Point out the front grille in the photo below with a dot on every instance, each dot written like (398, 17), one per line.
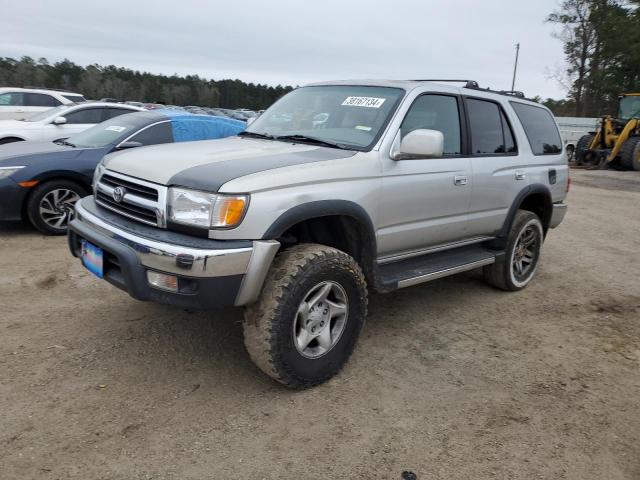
(138, 200)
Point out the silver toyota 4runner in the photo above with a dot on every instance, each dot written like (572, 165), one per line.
(338, 188)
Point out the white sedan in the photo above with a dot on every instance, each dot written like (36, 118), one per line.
(61, 122)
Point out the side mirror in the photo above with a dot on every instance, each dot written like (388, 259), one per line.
(130, 144)
(420, 143)
(59, 121)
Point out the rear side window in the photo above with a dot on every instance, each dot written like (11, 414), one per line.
(540, 128)
(11, 99)
(87, 115)
(115, 112)
(490, 131)
(40, 100)
(159, 133)
(435, 112)
(75, 98)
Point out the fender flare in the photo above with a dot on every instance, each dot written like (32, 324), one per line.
(326, 208)
(533, 189)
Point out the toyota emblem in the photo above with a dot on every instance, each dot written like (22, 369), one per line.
(118, 194)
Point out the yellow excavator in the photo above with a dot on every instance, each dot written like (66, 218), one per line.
(617, 140)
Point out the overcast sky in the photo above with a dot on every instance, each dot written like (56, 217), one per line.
(295, 42)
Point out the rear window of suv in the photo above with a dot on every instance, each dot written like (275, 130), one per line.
(540, 128)
(75, 98)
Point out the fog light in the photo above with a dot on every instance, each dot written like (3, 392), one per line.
(162, 281)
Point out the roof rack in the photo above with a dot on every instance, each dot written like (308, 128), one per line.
(472, 84)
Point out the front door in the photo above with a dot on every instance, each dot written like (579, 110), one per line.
(425, 202)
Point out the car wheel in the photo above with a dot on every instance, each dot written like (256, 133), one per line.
(515, 269)
(50, 205)
(304, 327)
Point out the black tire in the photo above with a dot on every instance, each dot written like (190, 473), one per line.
(630, 154)
(581, 149)
(43, 221)
(571, 150)
(270, 324)
(4, 141)
(503, 274)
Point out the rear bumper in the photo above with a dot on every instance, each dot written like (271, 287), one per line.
(559, 211)
(210, 273)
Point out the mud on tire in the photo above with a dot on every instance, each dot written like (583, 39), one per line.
(270, 324)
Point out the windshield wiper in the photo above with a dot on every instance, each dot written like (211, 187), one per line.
(64, 142)
(256, 135)
(316, 141)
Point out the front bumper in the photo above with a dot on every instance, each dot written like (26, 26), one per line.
(559, 211)
(210, 273)
(12, 197)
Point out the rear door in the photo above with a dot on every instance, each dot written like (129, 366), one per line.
(38, 102)
(424, 202)
(496, 163)
(12, 105)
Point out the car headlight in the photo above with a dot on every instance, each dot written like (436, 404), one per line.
(8, 171)
(203, 209)
(96, 176)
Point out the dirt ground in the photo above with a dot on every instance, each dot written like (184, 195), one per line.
(451, 379)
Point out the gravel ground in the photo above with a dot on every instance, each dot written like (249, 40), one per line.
(451, 379)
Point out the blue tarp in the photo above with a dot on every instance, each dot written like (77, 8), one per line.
(188, 127)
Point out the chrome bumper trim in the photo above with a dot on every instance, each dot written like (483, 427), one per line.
(162, 256)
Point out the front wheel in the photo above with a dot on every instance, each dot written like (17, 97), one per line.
(50, 205)
(515, 269)
(304, 327)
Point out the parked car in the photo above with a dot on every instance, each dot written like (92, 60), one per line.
(17, 103)
(61, 122)
(401, 183)
(41, 181)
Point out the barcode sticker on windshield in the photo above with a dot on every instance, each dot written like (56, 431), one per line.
(369, 102)
(115, 128)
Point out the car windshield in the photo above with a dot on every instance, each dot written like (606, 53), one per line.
(348, 116)
(51, 112)
(629, 107)
(110, 132)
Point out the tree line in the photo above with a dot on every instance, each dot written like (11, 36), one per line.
(601, 40)
(96, 82)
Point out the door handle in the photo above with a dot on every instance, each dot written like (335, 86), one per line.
(460, 180)
(520, 175)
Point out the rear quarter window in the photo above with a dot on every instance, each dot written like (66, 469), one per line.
(540, 128)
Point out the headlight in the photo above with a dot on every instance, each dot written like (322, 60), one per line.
(8, 171)
(207, 210)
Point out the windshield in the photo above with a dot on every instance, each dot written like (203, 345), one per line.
(110, 132)
(629, 107)
(51, 112)
(351, 116)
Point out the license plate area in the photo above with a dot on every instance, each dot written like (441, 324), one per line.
(92, 258)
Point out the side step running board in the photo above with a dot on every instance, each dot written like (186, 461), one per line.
(422, 269)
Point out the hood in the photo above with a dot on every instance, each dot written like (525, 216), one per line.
(13, 150)
(209, 164)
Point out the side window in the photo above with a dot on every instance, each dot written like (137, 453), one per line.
(40, 100)
(490, 131)
(540, 128)
(12, 99)
(115, 112)
(159, 133)
(87, 115)
(435, 112)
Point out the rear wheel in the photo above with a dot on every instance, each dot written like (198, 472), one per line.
(50, 205)
(630, 154)
(304, 327)
(582, 147)
(515, 269)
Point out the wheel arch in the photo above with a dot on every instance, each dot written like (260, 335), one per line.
(337, 223)
(55, 175)
(535, 198)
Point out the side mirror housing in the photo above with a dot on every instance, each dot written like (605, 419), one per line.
(420, 143)
(129, 144)
(59, 120)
